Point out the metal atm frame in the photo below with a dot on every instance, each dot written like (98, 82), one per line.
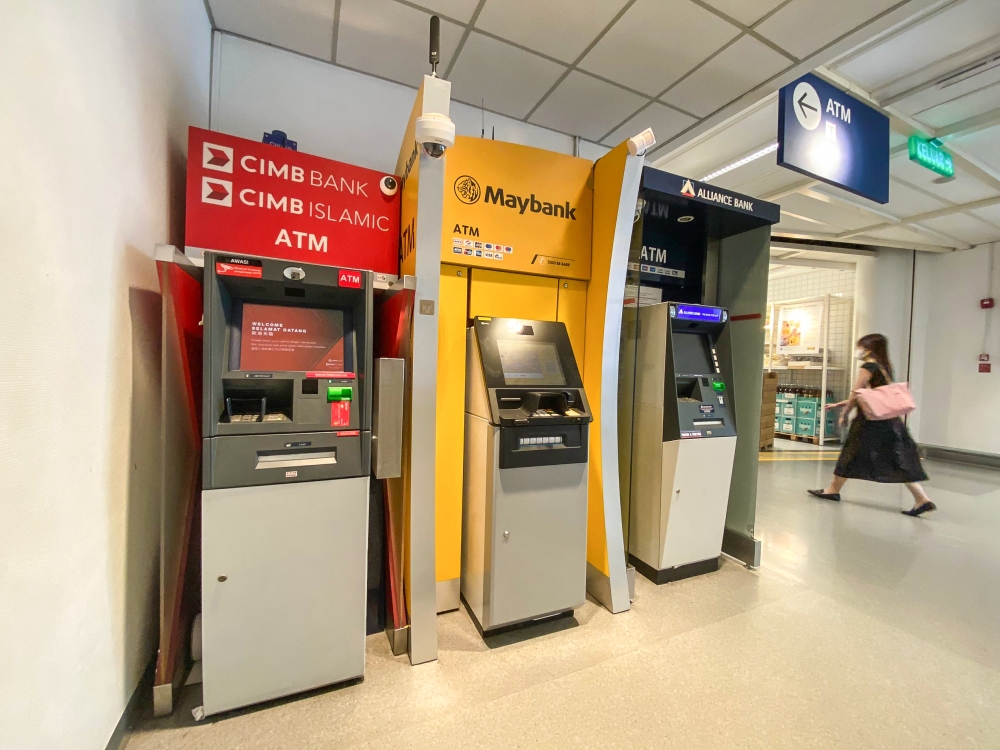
(524, 514)
(684, 440)
(285, 483)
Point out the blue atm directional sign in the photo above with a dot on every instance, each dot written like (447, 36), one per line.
(827, 134)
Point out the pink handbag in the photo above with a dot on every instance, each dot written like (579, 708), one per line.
(886, 401)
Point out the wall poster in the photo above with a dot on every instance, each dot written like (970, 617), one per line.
(800, 328)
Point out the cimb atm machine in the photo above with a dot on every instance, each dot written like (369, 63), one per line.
(286, 457)
(683, 442)
(524, 511)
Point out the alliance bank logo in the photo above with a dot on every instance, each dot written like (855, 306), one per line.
(217, 192)
(217, 158)
(688, 189)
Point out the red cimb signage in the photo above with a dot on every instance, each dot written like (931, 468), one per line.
(255, 199)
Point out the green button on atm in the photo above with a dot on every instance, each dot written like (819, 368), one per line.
(718, 385)
(339, 393)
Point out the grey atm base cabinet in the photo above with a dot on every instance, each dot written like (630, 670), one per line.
(524, 546)
(283, 589)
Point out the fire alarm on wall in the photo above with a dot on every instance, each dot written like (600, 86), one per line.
(984, 357)
(986, 303)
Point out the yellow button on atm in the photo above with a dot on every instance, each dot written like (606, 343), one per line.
(339, 393)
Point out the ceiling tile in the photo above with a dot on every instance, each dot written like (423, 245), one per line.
(963, 189)
(907, 201)
(508, 78)
(909, 234)
(304, 26)
(961, 108)
(961, 26)
(798, 225)
(949, 93)
(559, 28)
(390, 40)
(770, 182)
(460, 10)
(665, 122)
(834, 214)
(585, 106)
(739, 68)
(990, 214)
(656, 42)
(745, 11)
(805, 26)
(753, 131)
(965, 228)
(748, 173)
(983, 146)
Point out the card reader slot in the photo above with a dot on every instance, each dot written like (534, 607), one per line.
(280, 459)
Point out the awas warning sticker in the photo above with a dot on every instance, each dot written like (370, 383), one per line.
(248, 268)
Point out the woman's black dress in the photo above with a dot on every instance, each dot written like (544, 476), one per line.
(879, 451)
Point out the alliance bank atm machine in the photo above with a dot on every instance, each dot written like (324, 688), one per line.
(684, 440)
(286, 458)
(524, 510)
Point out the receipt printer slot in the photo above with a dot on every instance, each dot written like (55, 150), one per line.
(543, 445)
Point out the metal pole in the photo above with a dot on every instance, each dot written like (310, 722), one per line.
(821, 410)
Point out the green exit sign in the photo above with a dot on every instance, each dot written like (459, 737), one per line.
(935, 158)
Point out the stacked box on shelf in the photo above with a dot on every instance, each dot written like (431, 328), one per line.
(806, 422)
(768, 408)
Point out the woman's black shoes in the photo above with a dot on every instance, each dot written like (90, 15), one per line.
(835, 496)
(920, 509)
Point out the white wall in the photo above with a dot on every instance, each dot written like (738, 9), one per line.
(959, 407)
(338, 113)
(97, 96)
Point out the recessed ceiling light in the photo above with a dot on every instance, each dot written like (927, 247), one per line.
(685, 219)
(745, 160)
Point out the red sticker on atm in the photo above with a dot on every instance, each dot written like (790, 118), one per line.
(340, 414)
(349, 279)
(246, 267)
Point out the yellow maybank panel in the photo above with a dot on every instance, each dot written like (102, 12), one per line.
(452, 318)
(496, 294)
(516, 208)
(572, 310)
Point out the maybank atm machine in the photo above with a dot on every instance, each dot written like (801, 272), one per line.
(286, 459)
(524, 512)
(683, 442)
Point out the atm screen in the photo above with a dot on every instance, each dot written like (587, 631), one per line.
(692, 354)
(279, 338)
(530, 363)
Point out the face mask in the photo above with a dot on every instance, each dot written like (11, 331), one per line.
(861, 355)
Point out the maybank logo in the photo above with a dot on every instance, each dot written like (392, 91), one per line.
(468, 191)
(687, 189)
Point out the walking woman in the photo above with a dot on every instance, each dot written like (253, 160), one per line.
(877, 451)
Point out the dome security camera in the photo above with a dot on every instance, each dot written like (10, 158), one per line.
(435, 133)
(389, 185)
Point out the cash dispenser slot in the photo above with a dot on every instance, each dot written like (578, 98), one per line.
(689, 389)
(258, 402)
(285, 459)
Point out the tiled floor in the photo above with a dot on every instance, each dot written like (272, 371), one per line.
(863, 629)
